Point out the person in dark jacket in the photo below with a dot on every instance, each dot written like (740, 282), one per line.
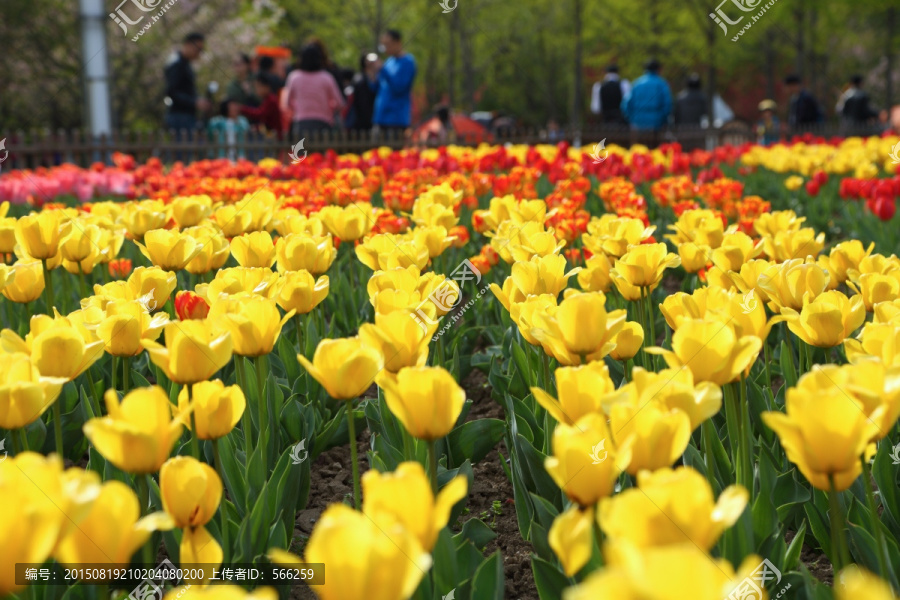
(606, 96)
(241, 89)
(393, 103)
(362, 97)
(181, 86)
(268, 113)
(803, 108)
(691, 104)
(855, 108)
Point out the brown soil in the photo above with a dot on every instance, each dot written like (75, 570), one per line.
(814, 560)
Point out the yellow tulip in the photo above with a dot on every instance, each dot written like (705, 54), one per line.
(530, 239)
(194, 350)
(611, 235)
(24, 393)
(36, 512)
(190, 490)
(140, 217)
(387, 251)
(214, 252)
(701, 226)
(736, 249)
(825, 431)
(595, 275)
(300, 292)
(345, 367)
(56, 346)
(580, 390)
(671, 507)
(694, 258)
(81, 241)
(138, 434)
(793, 182)
(428, 212)
(426, 400)
(665, 573)
(522, 314)
(509, 294)
(746, 313)
(216, 408)
(659, 434)
(579, 329)
(845, 257)
(401, 336)
(26, 283)
(855, 583)
(768, 224)
(441, 291)
(253, 321)
(387, 561)
(7, 235)
(875, 288)
(673, 389)
(887, 312)
(156, 282)
(290, 221)
(423, 514)
(642, 266)
(789, 245)
(434, 238)
(127, 325)
(198, 547)
(748, 277)
(828, 320)
(628, 341)
(220, 592)
(571, 538)
(39, 234)
(542, 275)
(237, 280)
(190, 211)
(301, 251)
(712, 349)
(255, 249)
(168, 249)
(112, 531)
(586, 462)
(879, 340)
(348, 223)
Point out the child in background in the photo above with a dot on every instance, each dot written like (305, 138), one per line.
(268, 113)
(768, 127)
(229, 131)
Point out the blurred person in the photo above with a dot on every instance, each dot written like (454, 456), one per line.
(268, 113)
(438, 129)
(181, 86)
(361, 99)
(691, 105)
(242, 89)
(329, 65)
(229, 130)
(393, 101)
(607, 96)
(768, 128)
(803, 108)
(311, 94)
(648, 105)
(266, 66)
(856, 110)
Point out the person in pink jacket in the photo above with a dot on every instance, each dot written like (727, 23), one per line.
(311, 94)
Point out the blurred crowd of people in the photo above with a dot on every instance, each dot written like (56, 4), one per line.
(647, 105)
(273, 95)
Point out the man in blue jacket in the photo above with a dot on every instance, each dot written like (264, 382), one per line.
(648, 105)
(393, 102)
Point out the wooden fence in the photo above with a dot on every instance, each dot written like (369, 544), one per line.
(28, 150)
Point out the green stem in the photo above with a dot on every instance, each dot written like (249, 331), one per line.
(195, 442)
(652, 321)
(706, 432)
(839, 551)
(767, 360)
(298, 319)
(746, 437)
(247, 419)
(263, 408)
(115, 374)
(433, 466)
(354, 462)
(57, 427)
(126, 376)
(48, 288)
(640, 316)
(143, 488)
(224, 526)
(82, 282)
(94, 398)
(733, 425)
(876, 522)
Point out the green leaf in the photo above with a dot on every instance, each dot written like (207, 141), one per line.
(884, 471)
(819, 526)
(544, 511)
(792, 556)
(787, 366)
(234, 482)
(473, 440)
(488, 582)
(549, 580)
(475, 531)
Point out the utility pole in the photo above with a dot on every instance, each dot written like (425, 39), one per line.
(95, 65)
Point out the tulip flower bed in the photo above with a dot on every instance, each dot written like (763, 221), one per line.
(454, 373)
